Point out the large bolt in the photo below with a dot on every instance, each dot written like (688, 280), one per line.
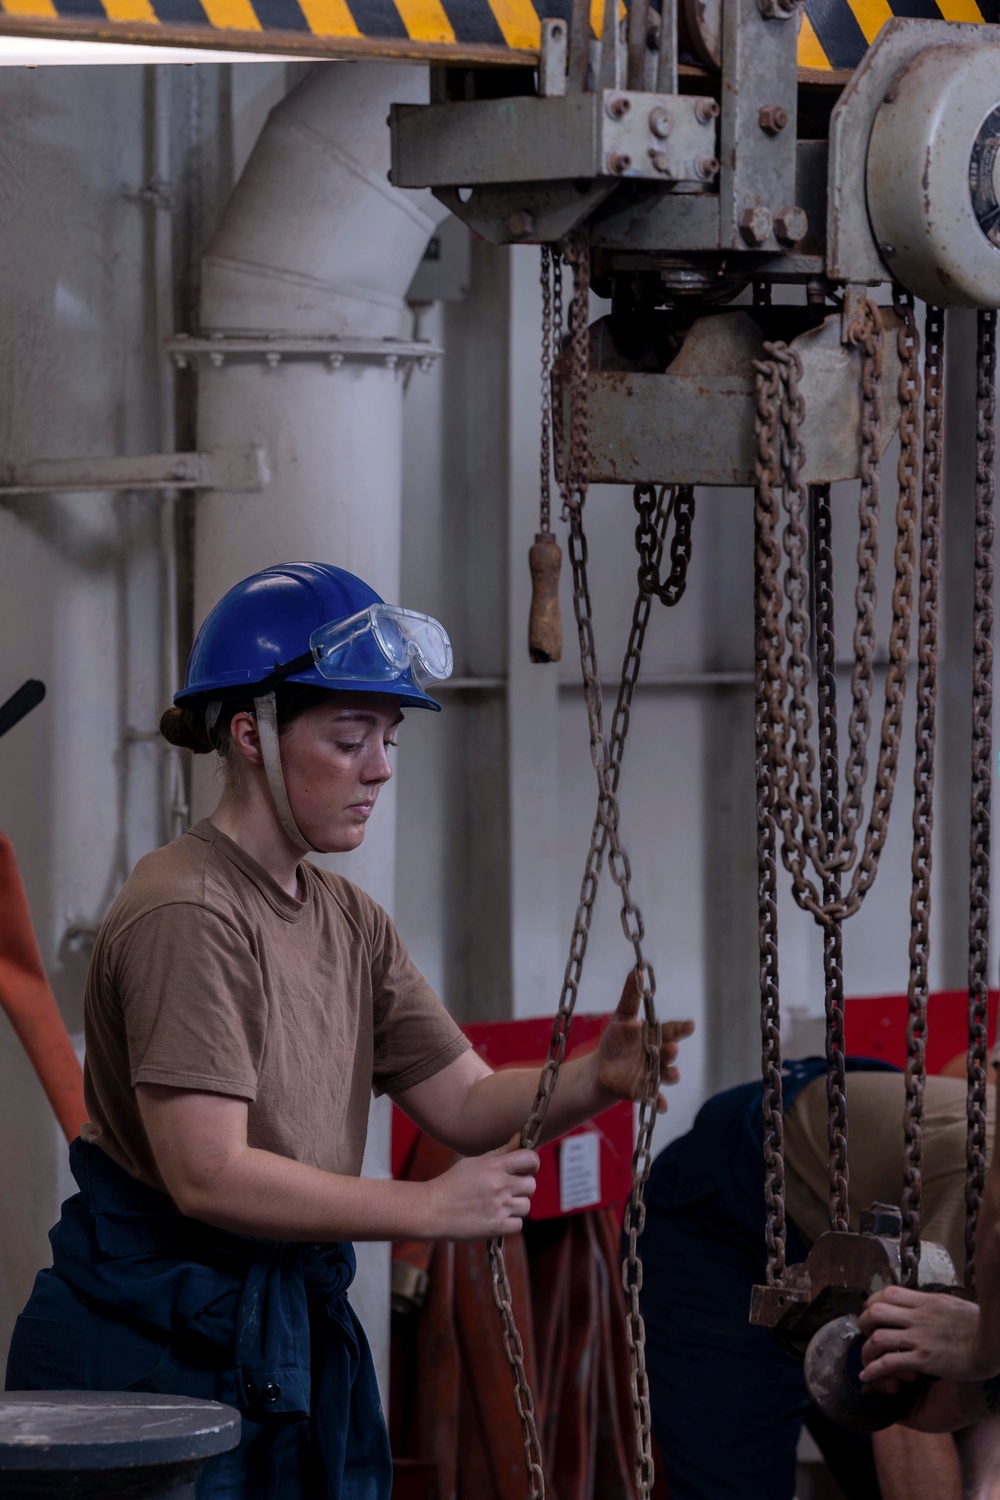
(521, 224)
(707, 167)
(772, 119)
(618, 106)
(755, 224)
(617, 162)
(791, 225)
(662, 162)
(705, 110)
(660, 122)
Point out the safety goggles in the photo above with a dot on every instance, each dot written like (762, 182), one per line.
(379, 644)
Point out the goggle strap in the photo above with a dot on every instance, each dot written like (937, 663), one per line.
(270, 749)
(285, 669)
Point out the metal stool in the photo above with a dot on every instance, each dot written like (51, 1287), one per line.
(108, 1445)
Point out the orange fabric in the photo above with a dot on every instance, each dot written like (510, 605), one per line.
(30, 1004)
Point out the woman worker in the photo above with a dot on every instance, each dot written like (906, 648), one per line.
(241, 1005)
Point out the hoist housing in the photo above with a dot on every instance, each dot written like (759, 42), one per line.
(702, 180)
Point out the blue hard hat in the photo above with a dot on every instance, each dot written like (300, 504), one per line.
(261, 635)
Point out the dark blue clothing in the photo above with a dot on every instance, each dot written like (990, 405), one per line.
(727, 1402)
(142, 1298)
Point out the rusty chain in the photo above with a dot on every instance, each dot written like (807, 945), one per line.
(549, 352)
(982, 711)
(817, 827)
(923, 796)
(655, 513)
(797, 799)
(829, 773)
(765, 621)
(923, 807)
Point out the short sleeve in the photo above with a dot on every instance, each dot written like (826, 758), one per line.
(415, 1037)
(192, 1000)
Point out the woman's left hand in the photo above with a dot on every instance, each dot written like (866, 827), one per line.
(620, 1060)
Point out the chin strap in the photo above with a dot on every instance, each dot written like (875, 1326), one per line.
(267, 730)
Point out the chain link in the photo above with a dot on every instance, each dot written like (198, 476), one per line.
(766, 623)
(982, 712)
(818, 829)
(923, 796)
(655, 514)
(549, 350)
(829, 774)
(797, 799)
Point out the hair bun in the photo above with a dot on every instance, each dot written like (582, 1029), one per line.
(185, 728)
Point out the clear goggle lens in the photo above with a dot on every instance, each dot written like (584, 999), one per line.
(380, 643)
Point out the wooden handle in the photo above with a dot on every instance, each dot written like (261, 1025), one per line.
(545, 625)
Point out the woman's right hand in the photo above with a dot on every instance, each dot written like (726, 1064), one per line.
(484, 1196)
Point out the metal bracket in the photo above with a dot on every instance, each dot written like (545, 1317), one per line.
(612, 133)
(758, 130)
(238, 470)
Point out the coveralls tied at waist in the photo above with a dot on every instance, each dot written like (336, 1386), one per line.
(140, 1297)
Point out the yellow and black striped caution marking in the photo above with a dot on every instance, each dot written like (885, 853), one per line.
(833, 39)
(835, 33)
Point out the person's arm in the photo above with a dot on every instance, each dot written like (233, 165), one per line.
(927, 1333)
(916, 1465)
(470, 1108)
(199, 1142)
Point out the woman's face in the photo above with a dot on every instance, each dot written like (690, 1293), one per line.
(335, 759)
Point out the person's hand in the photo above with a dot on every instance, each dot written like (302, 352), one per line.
(483, 1196)
(912, 1333)
(620, 1060)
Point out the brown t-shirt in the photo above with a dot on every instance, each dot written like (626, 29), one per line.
(208, 976)
(875, 1154)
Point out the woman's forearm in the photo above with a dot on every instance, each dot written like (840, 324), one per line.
(268, 1196)
(496, 1106)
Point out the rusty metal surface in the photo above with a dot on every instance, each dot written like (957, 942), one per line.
(833, 1371)
(852, 252)
(647, 426)
(932, 197)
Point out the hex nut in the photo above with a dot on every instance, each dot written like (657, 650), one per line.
(772, 119)
(660, 122)
(705, 110)
(791, 224)
(756, 224)
(617, 162)
(618, 106)
(521, 224)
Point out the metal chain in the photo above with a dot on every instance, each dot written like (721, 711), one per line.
(766, 623)
(549, 340)
(982, 711)
(606, 756)
(829, 774)
(797, 798)
(923, 798)
(681, 505)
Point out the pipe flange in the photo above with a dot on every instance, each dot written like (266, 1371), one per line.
(218, 349)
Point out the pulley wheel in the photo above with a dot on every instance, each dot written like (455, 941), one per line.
(833, 1379)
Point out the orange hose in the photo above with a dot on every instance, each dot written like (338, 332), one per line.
(30, 1004)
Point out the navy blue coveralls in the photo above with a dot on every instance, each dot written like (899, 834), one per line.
(141, 1298)
(727, 1402)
